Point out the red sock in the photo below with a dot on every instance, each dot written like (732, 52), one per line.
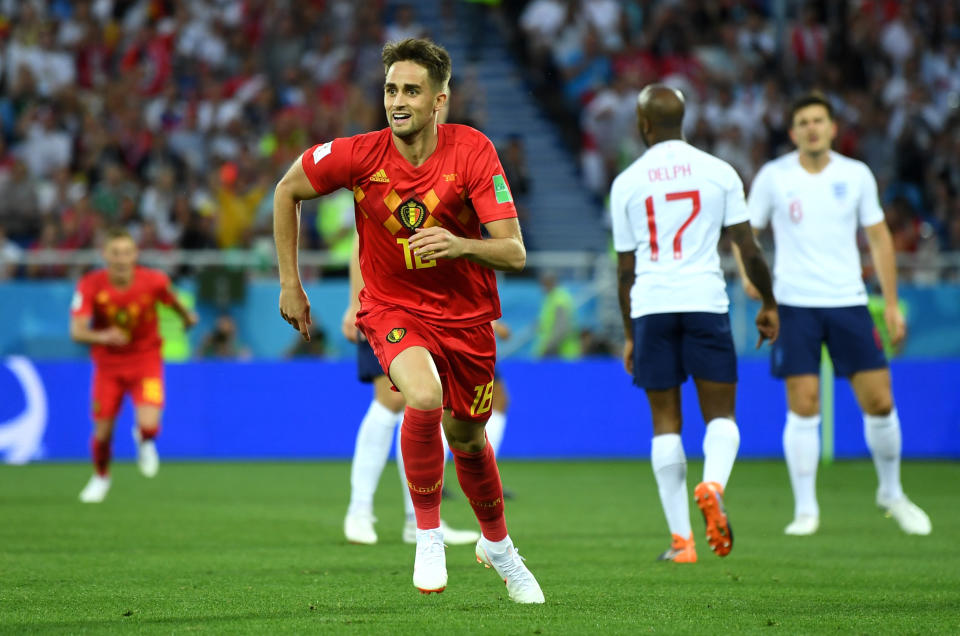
(149, 433)
(422, 451)
(100, 450)
(480, 480)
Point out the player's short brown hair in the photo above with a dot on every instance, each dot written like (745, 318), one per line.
(427, 54)
(115, 232)
(813, 98)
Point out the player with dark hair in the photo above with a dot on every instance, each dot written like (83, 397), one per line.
(114, 311)
(815, 199)
(668, 210)
(422, 192)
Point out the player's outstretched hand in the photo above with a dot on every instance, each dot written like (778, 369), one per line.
(768, 324)
(295, 309)
(435, 242)
(190, 319)
(349, 324)
(114, 337)
(501, 329)
(896, 324)
(628, 355)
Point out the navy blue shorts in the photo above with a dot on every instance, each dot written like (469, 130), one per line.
(849, 332)
(368, 367)
(669, 347)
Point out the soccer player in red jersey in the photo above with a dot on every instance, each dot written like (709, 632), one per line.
(114, 311)
(422, 191)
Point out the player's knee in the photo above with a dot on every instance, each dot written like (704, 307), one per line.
(424, 397)
(391, 400)
(804, 403)
(878, 404)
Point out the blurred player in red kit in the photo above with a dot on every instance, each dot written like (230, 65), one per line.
(422, 190)
(114, 311)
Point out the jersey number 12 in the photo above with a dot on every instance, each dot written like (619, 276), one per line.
(694, 196)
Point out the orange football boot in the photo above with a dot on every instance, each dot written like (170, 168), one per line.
(681, 550)
(709, 497)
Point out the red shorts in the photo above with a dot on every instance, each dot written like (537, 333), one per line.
(141, 378)
(465, 356)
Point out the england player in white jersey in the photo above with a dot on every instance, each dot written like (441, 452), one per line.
(815, 200)
(668, 209)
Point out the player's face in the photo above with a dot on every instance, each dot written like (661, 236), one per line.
(409, 99)
(813, 130)
(120, 255)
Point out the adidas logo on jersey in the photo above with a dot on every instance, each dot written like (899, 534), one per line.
(380, 176)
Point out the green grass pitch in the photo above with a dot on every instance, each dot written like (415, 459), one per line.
(257, 548)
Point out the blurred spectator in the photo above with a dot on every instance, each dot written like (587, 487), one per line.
(19, 205)
(316, 348)
(404, 25)
(557, 334)
(236, 205)
(10, 254)
(222, 343)
(47, 244)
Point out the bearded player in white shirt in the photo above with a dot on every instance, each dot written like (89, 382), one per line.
(815, 199)
(668, 210)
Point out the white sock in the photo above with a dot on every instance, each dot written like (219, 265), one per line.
(370, 456)
(670, 469)
(408, 511)
(720, 445)
(498, 546)
(495, 426)
(801, 448)
(884, 441)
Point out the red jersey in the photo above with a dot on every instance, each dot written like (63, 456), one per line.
(132, 308)
(460, 186)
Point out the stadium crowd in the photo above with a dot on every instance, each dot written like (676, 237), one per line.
(890, 68)
(176, 118)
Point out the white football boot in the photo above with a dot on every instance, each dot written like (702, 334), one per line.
(96, 489)
(909, 515)
(147, 459)
(430, 564)
(358, 528)
(803, 525)
(521, 584)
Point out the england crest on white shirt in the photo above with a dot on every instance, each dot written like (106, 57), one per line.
(840, 190)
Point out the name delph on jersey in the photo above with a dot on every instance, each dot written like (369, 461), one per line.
(664, 173)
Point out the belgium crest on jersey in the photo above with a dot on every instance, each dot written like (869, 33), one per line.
(396, 335)
(412, 214)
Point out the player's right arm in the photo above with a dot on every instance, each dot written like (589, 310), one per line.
(293, 188)
(754, 267)
(349, 325)
(82, 332)
(81, 310)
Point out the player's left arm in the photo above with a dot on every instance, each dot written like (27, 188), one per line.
(504, 250)
(187, 315)
(754, 266)
(885, 262)
(166, 294)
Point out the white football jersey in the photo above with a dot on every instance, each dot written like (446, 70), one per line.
(815, 218)
(668, 207)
